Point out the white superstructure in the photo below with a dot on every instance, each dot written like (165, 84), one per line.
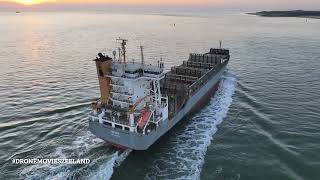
(135, 102)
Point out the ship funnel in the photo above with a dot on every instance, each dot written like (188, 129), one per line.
(104, 65)
(101, 55)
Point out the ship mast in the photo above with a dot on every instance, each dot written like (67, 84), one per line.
(119, 59)
(123, 48)
(142, 57)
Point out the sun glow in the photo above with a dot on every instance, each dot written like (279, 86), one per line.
(28, 2)
(32, 2)
(125, 2)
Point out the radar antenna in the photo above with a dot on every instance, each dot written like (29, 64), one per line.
(123, 48)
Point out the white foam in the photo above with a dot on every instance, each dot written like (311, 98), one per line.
(77, 149)
(105, 170)
(184, 159)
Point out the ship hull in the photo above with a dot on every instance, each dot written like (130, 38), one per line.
(138, 141)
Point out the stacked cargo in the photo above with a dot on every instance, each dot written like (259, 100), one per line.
(184, 80)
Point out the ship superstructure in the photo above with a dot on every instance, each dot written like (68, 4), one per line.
(131, 99)
(139, 102)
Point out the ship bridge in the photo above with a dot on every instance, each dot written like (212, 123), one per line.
(136, 71)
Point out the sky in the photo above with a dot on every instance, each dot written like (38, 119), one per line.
(126, 2)
(87, 4)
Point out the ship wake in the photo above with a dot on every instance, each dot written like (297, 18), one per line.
(105, 170)
(103, 159)
(184, 158)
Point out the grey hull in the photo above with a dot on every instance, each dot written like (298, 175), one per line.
(139, 141)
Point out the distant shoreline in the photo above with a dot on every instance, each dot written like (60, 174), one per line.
(296, 13)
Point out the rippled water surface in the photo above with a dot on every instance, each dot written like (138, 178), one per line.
(263, 123)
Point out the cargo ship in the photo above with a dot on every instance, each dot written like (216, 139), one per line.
(140, 102)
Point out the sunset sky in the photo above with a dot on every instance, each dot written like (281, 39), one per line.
(259, 4)
(122, 2)
(136, 2)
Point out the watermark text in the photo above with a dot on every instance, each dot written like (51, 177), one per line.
(50, 161)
